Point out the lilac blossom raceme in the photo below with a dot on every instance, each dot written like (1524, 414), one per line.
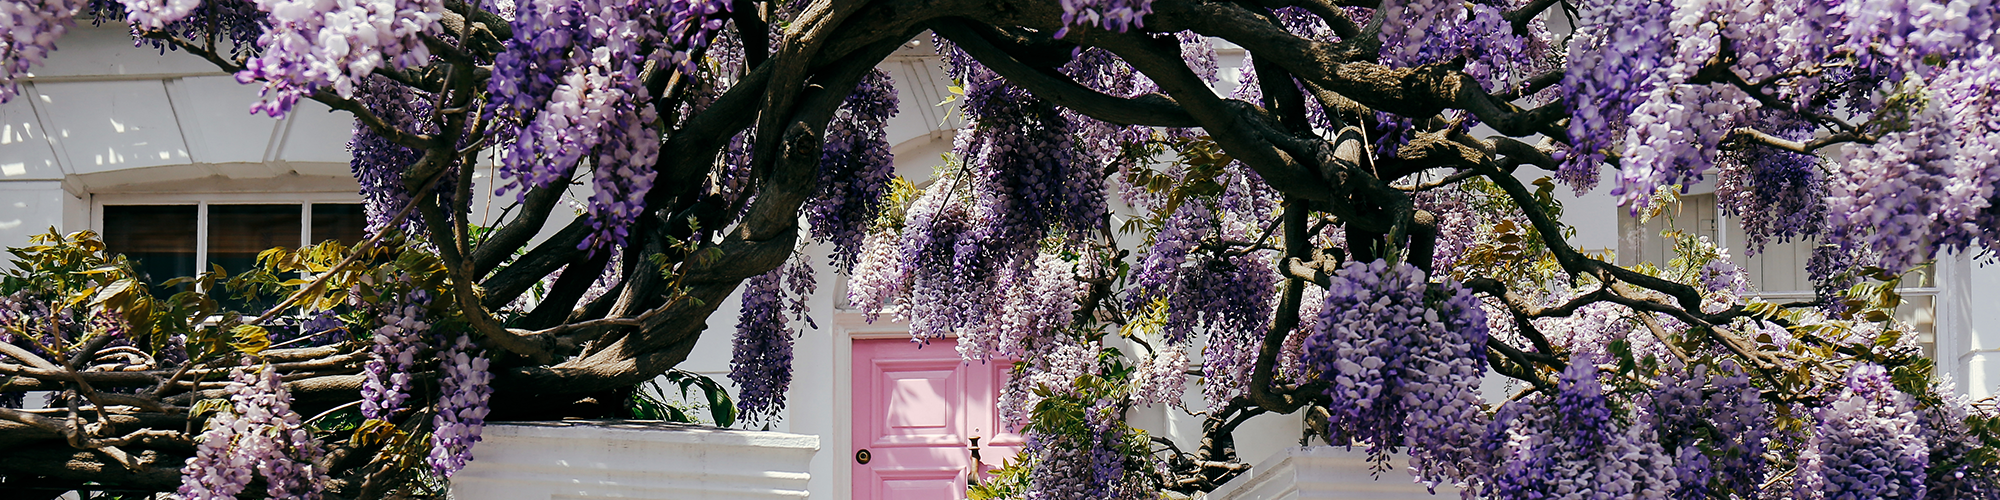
(1163, 378)
(1032, 311)
(1079, 446)
(1955, 473)
(378, 163)
(1158, 274)
(156, 14)
(1866, 443)
(1539, 447)
(1225, 294)
(1930, 188)
(1432, 31)
(1611, 59)
(582, 101)
(876, 279)
(258, 433)
(855, 168)
(312, 45)
(1402, 370)
(690, 26)
(1111, 15)
(525, 74)
(1055, 366)
(235, 24)
(1021, 180)
(28, 32)
(1776, 194)
(1714, 423)
(1673, 137)
(393, 357)
(464, 391)
(761, 364)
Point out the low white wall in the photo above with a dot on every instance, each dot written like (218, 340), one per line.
(1325, 473)
(626, 459)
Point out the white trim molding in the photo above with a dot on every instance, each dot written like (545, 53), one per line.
(848, 326)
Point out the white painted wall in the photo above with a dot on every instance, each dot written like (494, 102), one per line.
(590, 459)
(96, 120)
(1325, 473)
(1978, 365)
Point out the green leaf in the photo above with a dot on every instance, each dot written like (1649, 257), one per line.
(208, 406)
(101, 270)
(250, 339)
(719, 406)
(373, 431)
(117, 294)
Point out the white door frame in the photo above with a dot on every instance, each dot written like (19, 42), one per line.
(848, 326)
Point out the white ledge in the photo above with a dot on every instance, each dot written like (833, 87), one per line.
(634, 459)
(1325, 473)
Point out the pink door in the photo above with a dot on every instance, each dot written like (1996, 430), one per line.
(915, 413)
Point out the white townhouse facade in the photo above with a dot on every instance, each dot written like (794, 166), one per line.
(160, 154)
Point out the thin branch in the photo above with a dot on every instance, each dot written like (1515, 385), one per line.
(1754, 136)
(1520, 18)
(381, 127)
(1532, 85)
(1150, 109)
(17, 352)
(1448, 180)
(353, 255)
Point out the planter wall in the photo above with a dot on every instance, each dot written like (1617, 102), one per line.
(632, 459)
(1326, 473)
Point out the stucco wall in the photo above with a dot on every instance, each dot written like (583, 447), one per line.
(103, 118)
(591, 459)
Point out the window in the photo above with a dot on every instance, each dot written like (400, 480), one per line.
(166, 241)
(1778, 273)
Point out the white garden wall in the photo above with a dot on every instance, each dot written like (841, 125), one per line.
(1326, 473)
(617, 459)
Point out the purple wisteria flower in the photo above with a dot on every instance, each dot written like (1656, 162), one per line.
(464, 392)
(393, 357)
(1866, 443)
(1402, 369)
(257, 434)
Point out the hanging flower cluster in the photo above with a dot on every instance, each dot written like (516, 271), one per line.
(761, 363)
(1714, 424)
(312, 45)
(462, 406)
(1865, 444)
(1402, 368)
(257, 435)
(1571, 446)
(399, 343)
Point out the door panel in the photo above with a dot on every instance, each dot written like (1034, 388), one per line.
(915, 410)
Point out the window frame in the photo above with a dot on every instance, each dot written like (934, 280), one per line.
(202, 201)
(1942, 335)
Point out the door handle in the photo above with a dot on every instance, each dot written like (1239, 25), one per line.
(863, 456)
(977, 465)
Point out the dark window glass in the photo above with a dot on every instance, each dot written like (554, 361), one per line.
(158, 238)
(344, 222)
(236, 233)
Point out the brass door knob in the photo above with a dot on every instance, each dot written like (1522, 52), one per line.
(863, 456)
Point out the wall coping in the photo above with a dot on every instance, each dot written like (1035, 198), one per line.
(650, 431)
(1325, 472)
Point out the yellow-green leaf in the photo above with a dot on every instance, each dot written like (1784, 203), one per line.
(208, 406)
(375, 431)
(251, 339)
